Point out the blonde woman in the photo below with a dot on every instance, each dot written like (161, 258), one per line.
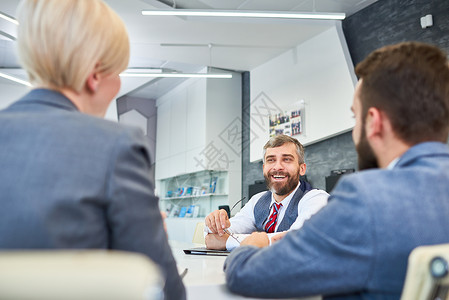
(68, 178)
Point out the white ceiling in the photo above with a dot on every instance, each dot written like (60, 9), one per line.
(236, 44)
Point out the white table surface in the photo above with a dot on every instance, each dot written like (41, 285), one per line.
(205, 278)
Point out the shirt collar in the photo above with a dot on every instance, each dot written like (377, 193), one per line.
(393, 163)
(287, 199)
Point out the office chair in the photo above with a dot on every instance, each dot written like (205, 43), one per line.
(427, 274)
(83, 274)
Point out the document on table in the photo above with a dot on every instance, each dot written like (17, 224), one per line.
(205, 251)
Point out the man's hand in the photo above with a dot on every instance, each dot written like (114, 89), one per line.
(215, 241)
(278, 237)
(258, 239)
(217, 220)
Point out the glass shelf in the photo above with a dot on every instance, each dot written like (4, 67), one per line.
(193, 197)
(202, 191)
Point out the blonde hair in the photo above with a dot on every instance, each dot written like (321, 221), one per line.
(60, 42)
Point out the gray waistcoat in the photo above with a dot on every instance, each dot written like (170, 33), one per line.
(262, 208)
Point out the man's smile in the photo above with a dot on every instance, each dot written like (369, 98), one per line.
(278, 177)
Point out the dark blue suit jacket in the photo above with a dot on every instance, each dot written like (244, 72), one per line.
(357, 246)
(69, 180)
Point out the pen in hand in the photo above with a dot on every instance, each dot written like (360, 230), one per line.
(225, 229)
(231, 234)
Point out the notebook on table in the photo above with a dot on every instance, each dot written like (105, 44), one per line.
(205, 251)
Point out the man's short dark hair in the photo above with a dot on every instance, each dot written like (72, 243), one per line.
(409, 82)
(279, 140)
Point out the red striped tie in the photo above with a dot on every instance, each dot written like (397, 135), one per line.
(271, 224)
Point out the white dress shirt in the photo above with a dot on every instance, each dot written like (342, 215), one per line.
(393, 163)
(243, 223)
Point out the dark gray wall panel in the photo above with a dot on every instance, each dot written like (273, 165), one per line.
(335, 153)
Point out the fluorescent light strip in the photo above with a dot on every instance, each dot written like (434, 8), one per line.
(178, 75)
(15, 79)
(246, 14)
(8, 18)
(6, 35)
(143, 70)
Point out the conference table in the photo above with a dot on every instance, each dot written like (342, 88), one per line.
(204, 277)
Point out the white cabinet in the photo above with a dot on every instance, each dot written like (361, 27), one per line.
(171, 127)
(192, 120)
(199, 129)
(196, 115)
(163, 130)
(178, 138)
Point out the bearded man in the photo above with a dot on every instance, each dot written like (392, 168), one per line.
(357, 247)
(286, 206)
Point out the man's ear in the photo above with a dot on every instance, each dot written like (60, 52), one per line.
(302, 169)
(373, 122)
(93, 81)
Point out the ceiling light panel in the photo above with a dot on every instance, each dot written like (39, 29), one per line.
(8, 18)
(244, 14)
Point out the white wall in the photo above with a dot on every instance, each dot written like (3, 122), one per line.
(318, 71)
(11, 92)
(111, 113)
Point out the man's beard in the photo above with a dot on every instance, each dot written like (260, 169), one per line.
(366, 157)
(282, 189)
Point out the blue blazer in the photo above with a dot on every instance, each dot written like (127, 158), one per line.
(357, 246)
(72, 181)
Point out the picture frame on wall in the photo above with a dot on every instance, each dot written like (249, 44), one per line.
(290, 122)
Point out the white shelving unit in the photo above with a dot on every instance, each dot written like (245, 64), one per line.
(182, 228)
(204, 189)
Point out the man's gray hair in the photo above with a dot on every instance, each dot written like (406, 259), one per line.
(279, 140)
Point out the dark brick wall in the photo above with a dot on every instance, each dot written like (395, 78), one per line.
(391, 21)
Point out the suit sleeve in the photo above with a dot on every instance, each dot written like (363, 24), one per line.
(133, 214)
(331, 254)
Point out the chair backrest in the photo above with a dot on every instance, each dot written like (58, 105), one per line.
(83, 274)
(198, 235)
(427, 273)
